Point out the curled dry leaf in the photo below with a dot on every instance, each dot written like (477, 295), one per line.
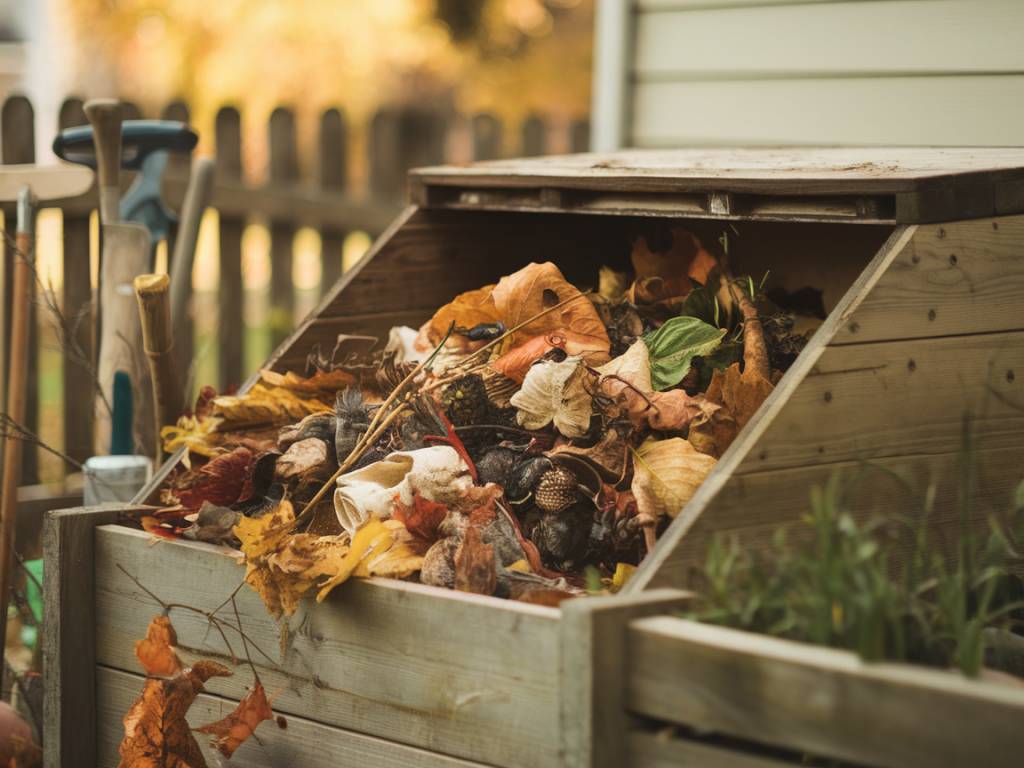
(156, 650)
(220, 481)
(475, 567)
(515, 363)
(230, 732)
(379, 548)
(739, 394)
(264, 405)
(627, 381)
(319, 384)
(307, 458)
(464, 311)
(197, 434)
(214, 525)
(422, 518)
(609, 455)
(684, 262)
(611, 284)
(555, 393)
(666, 475)
(156, 733)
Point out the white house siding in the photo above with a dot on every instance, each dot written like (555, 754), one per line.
(764, 72)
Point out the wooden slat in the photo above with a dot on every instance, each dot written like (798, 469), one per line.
(899, 398)
(332, 176)
(400, 140)
(957, 278)
(676, 5)
(786, 40)
(646, 749)
(818, 700)
(228, 138)
(750, 508)
(941, 110)
(579, 136)
(459, 674)
(304, 742)
(284, 169)
(18, 145)
(78, 369)
(593, 684)
(69, 642)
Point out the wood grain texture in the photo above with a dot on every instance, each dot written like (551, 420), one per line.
(69, 643)
(792, 40)
(462, 675)
(304, 744)
(818, 700)
(912, 111)
(752, 507)
(647, 749)
(593, 649)
(952, 278)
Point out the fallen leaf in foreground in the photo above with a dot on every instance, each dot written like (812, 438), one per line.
(667, 473)
(229, 732)
(156, 650)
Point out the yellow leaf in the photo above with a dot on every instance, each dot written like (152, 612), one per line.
(320, 383)
(379, 548)
(260, 536)
(623, 573)
(197, 435)
(266, 405)
(519, 565)
(667, 473)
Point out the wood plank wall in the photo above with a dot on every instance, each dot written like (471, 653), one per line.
(768, 72)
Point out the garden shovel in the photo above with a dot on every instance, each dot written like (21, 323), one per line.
(26, 184)
(124, 255)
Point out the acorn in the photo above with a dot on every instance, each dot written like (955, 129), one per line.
(556, 490)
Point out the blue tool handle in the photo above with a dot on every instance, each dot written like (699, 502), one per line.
(121, 442)
(139, 139)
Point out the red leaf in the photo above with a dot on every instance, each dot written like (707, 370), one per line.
(219, 481)
(422, 518)
(229, 733)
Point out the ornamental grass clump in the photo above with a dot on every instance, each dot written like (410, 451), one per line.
(882, 588)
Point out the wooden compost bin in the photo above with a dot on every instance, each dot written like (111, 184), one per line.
(919, 256)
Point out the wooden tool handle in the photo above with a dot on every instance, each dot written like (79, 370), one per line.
(105, 117)
(196, 199)
(153, 294)
(17, 385)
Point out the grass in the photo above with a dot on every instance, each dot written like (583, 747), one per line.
(841, 586)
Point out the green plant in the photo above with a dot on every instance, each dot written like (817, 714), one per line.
(841, 585)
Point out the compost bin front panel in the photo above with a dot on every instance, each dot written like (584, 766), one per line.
(443, 671)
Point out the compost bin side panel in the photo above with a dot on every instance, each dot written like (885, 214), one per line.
(457, 674)
(902, 399)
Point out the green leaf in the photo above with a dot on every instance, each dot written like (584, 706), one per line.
(673, 347)
(701, 303)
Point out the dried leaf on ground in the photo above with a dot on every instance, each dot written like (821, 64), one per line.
(555, 393)
(156, 650)
(266, 405)
(156, 733)
(666, 475)
(230, 732)
(609, 455)
(305, 459)
(627, 381)
(475, 567)
(422, 518)
(464, 311)
(214, 525)
(672, 347)
(220, 481)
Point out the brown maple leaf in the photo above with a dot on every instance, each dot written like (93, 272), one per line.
(422, 518)
(156, 733)
(156, 650)
(229, 732)
(219, 481)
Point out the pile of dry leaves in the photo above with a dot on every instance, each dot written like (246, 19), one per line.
(528, 438)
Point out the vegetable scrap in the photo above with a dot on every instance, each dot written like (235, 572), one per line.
(528, 437)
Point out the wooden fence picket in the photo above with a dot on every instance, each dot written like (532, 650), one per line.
(534, 136)
(332, 176)
(18, 145)
(284, 170)
(78, 313)
(486, 137)
(179, 166)
(230, 327)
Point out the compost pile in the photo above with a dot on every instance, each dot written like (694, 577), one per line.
(530, 441)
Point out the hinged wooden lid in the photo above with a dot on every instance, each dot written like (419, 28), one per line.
(906, 185)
